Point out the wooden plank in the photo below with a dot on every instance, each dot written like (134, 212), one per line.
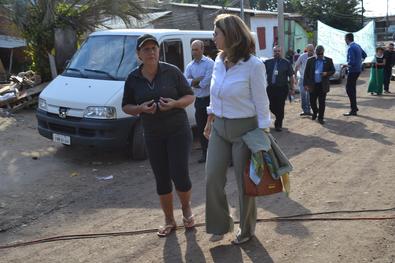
(5, 88)
(25, 99)
(30, 92)
(24, 105)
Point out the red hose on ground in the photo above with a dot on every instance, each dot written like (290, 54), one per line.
(291, 218)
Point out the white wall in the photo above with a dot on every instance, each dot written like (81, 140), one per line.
(268, 23)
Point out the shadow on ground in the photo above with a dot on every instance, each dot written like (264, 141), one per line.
(343, 127)
(277, 204)
(254, 249)
(293, 143)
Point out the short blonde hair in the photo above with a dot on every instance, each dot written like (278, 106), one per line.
(239, 42)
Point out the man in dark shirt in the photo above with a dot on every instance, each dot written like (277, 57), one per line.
(389, 56)
(279, 74)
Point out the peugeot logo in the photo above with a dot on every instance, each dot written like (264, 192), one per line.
(63, 112)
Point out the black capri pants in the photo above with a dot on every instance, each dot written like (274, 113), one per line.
(169, 157)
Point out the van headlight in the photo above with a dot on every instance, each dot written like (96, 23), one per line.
(42, 104)
(100, 112)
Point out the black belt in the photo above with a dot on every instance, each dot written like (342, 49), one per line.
(202, 98)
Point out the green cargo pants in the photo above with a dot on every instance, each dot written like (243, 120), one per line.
(225, 143)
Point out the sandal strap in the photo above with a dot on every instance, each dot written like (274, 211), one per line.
(239, 241)
(164, 231)
(189, 222)
(189, 219)
(171, 226)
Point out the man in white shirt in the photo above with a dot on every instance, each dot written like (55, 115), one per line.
(300, 66)
(198, 74)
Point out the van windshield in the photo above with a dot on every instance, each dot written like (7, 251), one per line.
(104, 57)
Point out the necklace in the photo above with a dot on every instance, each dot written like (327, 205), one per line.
(151, 86)
(149, 75)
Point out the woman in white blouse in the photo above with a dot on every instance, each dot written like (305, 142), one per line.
(239, 104)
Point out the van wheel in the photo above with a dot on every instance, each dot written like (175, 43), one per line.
(137, 148)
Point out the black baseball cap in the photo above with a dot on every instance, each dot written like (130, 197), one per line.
(144, 38)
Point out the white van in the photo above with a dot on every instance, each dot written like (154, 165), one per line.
(82, 106)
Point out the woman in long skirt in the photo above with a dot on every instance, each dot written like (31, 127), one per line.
(376, 80)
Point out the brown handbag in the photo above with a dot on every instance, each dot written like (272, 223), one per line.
(267, 185)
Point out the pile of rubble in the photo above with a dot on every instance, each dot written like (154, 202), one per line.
(21, 92)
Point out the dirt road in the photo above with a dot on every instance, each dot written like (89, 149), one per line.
(347, 164)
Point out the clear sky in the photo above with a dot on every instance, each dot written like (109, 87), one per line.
(379, 7)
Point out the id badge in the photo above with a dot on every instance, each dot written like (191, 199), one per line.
(276, 72)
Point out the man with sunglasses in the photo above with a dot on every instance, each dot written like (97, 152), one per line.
(316, 79)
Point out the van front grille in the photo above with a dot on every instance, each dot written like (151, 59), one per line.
(62, 128)
(87, 132)
(71, 118)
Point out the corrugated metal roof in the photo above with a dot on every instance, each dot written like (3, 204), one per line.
(233, 9)
(11, 42)
(144, 22)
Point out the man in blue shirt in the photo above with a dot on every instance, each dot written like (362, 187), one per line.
(198, 74)
(355, 56)
(316, 79)
(300, 65)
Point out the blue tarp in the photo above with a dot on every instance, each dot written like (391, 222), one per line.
(336, 48)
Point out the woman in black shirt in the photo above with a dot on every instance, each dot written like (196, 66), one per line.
(158, 92)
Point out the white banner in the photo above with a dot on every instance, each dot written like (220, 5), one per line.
(335, 46)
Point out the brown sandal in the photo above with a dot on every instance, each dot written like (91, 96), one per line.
(189, 222)
(166, 230)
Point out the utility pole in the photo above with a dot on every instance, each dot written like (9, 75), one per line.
(242, 10)
(387, 24)
(280, 10)
(363, 10)
(200, 15)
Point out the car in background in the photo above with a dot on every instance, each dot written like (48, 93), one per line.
(340, 73)
(367, 63)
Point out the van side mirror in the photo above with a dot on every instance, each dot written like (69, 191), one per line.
(66, 63)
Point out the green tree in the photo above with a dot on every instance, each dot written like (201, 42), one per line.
(271, 5)
(341, 14)
(37, 20)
